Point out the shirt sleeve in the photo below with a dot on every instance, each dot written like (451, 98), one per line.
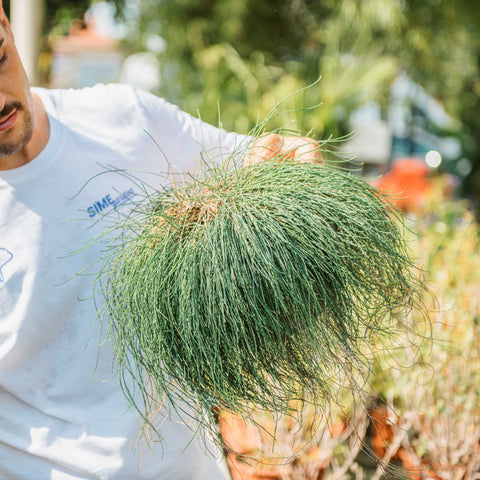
(186, 142)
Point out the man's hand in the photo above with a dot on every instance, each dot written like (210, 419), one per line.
(274, 146)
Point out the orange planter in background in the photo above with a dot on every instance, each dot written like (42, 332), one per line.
(407, 183)
(262, 453)
(245, 440)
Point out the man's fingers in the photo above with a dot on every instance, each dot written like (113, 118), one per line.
(300, 149)
(308, 151)
(274, 146)
(265, 147)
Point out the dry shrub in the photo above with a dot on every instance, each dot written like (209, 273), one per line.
(437, 400)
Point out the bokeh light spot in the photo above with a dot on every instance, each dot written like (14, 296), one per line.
(433, 158)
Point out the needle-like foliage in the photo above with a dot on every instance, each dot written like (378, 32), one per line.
(255, 286)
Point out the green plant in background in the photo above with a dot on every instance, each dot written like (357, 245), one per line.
(255, 287)
(59, 14)
(249, 55)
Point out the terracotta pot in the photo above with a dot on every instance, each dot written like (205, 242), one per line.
(244, 439)
(251, 457)
(382, 434)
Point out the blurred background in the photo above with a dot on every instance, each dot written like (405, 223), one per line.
(399, 81)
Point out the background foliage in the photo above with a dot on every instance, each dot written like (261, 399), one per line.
(59, 14)
(248, 56)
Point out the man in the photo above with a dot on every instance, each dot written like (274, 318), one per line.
(62, 412)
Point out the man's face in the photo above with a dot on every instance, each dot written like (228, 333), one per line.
(16, 104)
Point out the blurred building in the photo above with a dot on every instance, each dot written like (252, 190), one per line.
(84, 58)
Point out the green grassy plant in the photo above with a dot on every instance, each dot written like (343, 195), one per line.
(254, 286)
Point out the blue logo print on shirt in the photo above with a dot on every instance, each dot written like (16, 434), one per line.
(5, 257)
(108, 201)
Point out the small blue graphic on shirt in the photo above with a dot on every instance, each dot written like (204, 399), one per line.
(109, 201)
(5, 257)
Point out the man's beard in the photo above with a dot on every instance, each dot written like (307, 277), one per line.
(10, 147)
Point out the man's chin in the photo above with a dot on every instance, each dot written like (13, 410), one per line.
(9, 147)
